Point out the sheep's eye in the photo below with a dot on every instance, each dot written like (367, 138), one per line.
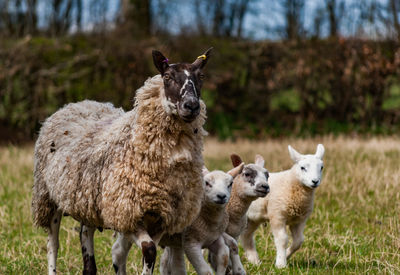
(208, 184)
(167, 76)
(322, 168)
(247, 174)
(230, 184)
(303, 168)
(201, 76)
(266, 175)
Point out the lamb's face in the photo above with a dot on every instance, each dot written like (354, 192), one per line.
(308, 168)
(218, 185)
(182, 85)
(254, 181)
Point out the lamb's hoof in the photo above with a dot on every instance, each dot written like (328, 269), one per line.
(253, 258)
(280, 265)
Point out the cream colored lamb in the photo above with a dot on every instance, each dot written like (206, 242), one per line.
(206, 231)
(290, 202)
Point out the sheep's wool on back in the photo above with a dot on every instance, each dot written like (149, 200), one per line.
(114, 169)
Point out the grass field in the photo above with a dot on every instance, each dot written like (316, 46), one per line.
(354, 229)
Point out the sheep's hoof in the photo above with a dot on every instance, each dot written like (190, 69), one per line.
(253, 258)
(280, 265)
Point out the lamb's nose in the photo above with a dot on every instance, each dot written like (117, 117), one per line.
(221, 196)
(266, 187)
(315, 182)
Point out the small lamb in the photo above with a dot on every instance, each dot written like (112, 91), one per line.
(289, 203)
(206, 231)
(251, 184)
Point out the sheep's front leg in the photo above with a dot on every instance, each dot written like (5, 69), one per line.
(52, 242)
(237, 266)
(87, 244)
(248, 243)
(298, 238)
(281, 241)
(221, 252)
(173, 261)
(193, 252)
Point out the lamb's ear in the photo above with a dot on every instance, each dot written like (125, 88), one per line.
(320, 151)
(294, 155)
(236, 160)
(160, 61)
(201, 60)
(205, 171)
(236, 171)
(259, 160)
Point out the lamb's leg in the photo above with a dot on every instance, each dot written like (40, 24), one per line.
(237, 267)
(172, 261)
(52, 242)
(281, 241)
(247, 239)
(87, 244)
(120, 251)
(221, 251)
(298, 238)
(193, 252)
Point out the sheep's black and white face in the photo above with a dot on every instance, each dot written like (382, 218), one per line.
(182, 85)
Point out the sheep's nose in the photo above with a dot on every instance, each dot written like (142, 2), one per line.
(221, 196)
(191, 105)
(266, 187)
(315, 182)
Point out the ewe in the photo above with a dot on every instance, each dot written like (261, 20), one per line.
(206, 230)
(290, 202)
(250, 185)
(137, 172)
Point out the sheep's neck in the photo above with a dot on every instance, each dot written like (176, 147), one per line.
(301, 198)
(212, 214)
(238, 205)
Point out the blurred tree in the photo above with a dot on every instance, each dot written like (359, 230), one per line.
(335, 9)
(294, 18)
(137, 15)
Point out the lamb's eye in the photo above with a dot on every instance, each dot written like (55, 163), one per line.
(247, 174)
(167, 76)
(322, 168)
(201, 76)
(303, 168)
(266, 175)
(208, 184)
(230, 184)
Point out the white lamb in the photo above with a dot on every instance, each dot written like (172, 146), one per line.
(290, 202)
(206, 230)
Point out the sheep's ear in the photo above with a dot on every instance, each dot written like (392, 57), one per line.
(236, 160)
(205, 171)
(294, 155)
(201, 60)
(320, 151)
(160, 61)
(259, 160)
(237, 170)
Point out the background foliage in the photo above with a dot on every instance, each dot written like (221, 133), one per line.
(321, 73)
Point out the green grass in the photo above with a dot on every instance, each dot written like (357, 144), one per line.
(354, 229)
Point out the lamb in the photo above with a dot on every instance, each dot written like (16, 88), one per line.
(289, 203)
(206, 231)
(136, 172)
(250, 185)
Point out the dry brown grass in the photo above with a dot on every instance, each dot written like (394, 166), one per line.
(355, 227)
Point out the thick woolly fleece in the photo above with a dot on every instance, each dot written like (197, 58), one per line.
(107, 168)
